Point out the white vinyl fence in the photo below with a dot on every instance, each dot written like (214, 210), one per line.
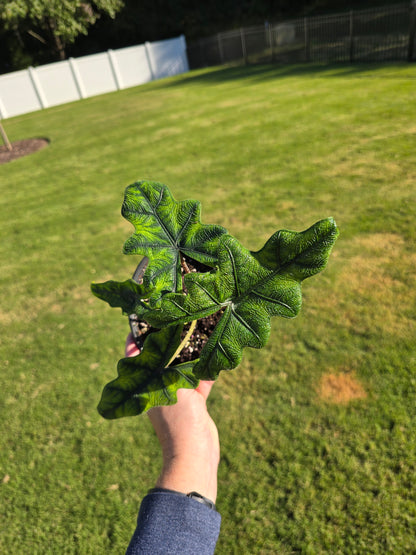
(49, 85)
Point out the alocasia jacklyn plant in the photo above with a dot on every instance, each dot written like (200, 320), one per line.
(202, 298)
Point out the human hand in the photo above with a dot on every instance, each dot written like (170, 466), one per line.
(189, 440)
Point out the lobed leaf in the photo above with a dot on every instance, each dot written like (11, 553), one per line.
(249, 288)
(126, 295)
(144, 381)
(164, 228)
(306, 252)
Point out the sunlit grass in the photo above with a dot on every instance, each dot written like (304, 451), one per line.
(308, 466)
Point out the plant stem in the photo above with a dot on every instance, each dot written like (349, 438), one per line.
(185, 269)
(183, 342)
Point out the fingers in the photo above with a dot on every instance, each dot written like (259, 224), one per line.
(204, 388)
(131, 347)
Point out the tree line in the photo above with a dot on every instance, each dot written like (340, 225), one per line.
(34, 32)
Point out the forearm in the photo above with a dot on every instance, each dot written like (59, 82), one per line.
(171, 521)
(190, 445)
(190, 474)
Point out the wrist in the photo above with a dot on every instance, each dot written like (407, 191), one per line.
(192, 494)
(187, 475)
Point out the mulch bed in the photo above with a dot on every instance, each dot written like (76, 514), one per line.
(21, 148)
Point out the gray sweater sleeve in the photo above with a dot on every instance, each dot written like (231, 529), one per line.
(171, 523)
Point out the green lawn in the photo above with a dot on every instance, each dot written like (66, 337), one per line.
(317, 429)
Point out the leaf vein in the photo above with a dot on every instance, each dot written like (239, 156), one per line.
(168, 395)
(181, 307)
(224, 352)
(213, 299)
(245, 324)
(275, 301)
(157, 217)
(185, 377)
(232, 260)
(185, 225)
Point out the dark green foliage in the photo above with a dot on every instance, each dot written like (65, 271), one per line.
(125, 294)
(246, 288)
(21, 48)
(165, 229)
(143, 381)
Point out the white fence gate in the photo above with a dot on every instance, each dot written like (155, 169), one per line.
(52, 84)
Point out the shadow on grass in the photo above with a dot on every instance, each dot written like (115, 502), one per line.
(264, 72)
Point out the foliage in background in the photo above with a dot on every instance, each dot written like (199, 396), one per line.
(55, 23)
(317, 429)
(27, 28)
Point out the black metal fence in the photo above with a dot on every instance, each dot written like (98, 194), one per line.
(371, 35)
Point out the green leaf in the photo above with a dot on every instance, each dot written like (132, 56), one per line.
(126, 294)
(306, 252)
(246, 289)
(165, 228)
(249, 288)
(144, 381)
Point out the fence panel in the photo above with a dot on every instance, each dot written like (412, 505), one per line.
(289, 44)
(329, 38)
(133, 66)
(257, 44)
(381, 35)
(96, 74)
(73, 79)
(204, 53)
(167, 57)
(57, 83)
(377, 34)
(17, 90)
(411, 54)
(231, 46)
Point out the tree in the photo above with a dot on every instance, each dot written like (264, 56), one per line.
(55, 23)
(5, 138)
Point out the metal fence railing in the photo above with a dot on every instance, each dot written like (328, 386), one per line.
(372, 35)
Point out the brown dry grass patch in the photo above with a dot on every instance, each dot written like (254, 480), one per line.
(340, 388)
(375, 286)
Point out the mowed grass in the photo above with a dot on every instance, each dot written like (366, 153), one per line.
(318, 428)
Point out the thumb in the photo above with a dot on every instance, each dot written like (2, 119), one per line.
(204, 388)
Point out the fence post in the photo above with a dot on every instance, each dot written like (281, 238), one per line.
(202, 53)
(114, 69)
(3, 111)
(270, 28)
(77, 78)
(147, 47)
(412, 31)
(37, 87)
(184, 57)
(220, 48)
(351, 36)
(306, 31)
(243, 45)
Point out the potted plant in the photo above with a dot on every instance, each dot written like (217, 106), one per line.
(199, 297)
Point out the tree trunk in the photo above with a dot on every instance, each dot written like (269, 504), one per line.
(60, 47)
(5, 138)
(59, 43)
